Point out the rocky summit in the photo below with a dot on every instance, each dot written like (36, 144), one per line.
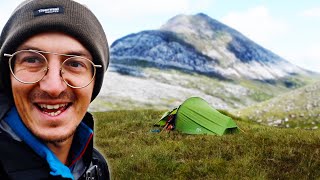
(201, 44)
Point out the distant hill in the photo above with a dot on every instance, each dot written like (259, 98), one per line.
(194, 55)
(298, 109)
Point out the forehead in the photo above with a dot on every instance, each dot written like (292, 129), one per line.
(57, 42)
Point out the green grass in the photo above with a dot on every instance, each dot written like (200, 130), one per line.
(297, 109)
(259, 152)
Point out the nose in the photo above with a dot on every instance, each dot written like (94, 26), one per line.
(52, 83)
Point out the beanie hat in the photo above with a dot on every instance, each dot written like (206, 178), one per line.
(35, 16)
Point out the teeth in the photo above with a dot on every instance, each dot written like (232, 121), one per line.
(52, 107)
(56, 106)
(53, 113)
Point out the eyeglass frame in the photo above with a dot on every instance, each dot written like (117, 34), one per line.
(47, 67)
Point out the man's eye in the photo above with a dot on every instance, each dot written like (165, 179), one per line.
(75, 64)
(31, 60)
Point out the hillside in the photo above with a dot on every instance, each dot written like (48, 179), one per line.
(165, 89)
(134, 151)
(297, 109)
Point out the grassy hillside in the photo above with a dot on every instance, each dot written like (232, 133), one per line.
(165, 89)
(260, 152)
(297, 109)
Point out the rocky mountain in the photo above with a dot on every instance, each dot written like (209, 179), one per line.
(194, 55)
(201, 44)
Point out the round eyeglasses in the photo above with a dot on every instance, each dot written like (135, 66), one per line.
(30, 66)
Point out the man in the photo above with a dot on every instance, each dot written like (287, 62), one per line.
(52, 61)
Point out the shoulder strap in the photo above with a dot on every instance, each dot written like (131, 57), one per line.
(99, 169)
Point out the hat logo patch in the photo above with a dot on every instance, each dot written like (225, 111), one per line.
(49, 10)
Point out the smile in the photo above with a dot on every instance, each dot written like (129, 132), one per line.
(53, 109)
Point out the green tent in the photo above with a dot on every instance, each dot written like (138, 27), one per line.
(196, 116)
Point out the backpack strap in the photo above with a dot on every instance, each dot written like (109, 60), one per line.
(98, 169)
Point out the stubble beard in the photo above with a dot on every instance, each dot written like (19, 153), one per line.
(57, 139)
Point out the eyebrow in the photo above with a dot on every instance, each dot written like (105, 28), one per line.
(83, 53)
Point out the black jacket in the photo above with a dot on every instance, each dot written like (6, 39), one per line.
(19, 161)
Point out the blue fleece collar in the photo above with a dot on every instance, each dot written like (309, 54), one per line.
(83, 136)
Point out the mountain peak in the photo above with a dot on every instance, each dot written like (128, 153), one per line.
(198, 23)
(202, 44)
(208, 34)
(202, 15)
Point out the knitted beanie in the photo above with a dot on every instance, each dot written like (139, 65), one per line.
(35, 16)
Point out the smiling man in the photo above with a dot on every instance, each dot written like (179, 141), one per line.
(54, 54)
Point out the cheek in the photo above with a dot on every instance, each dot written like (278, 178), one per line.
(18, 92)
(84, 98)
(20, 96)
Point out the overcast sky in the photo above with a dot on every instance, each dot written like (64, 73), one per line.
(289, 28)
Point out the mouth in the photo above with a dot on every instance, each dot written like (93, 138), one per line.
(53, 109)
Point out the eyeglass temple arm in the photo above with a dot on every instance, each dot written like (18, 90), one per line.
(97, 66)
(7, 55)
